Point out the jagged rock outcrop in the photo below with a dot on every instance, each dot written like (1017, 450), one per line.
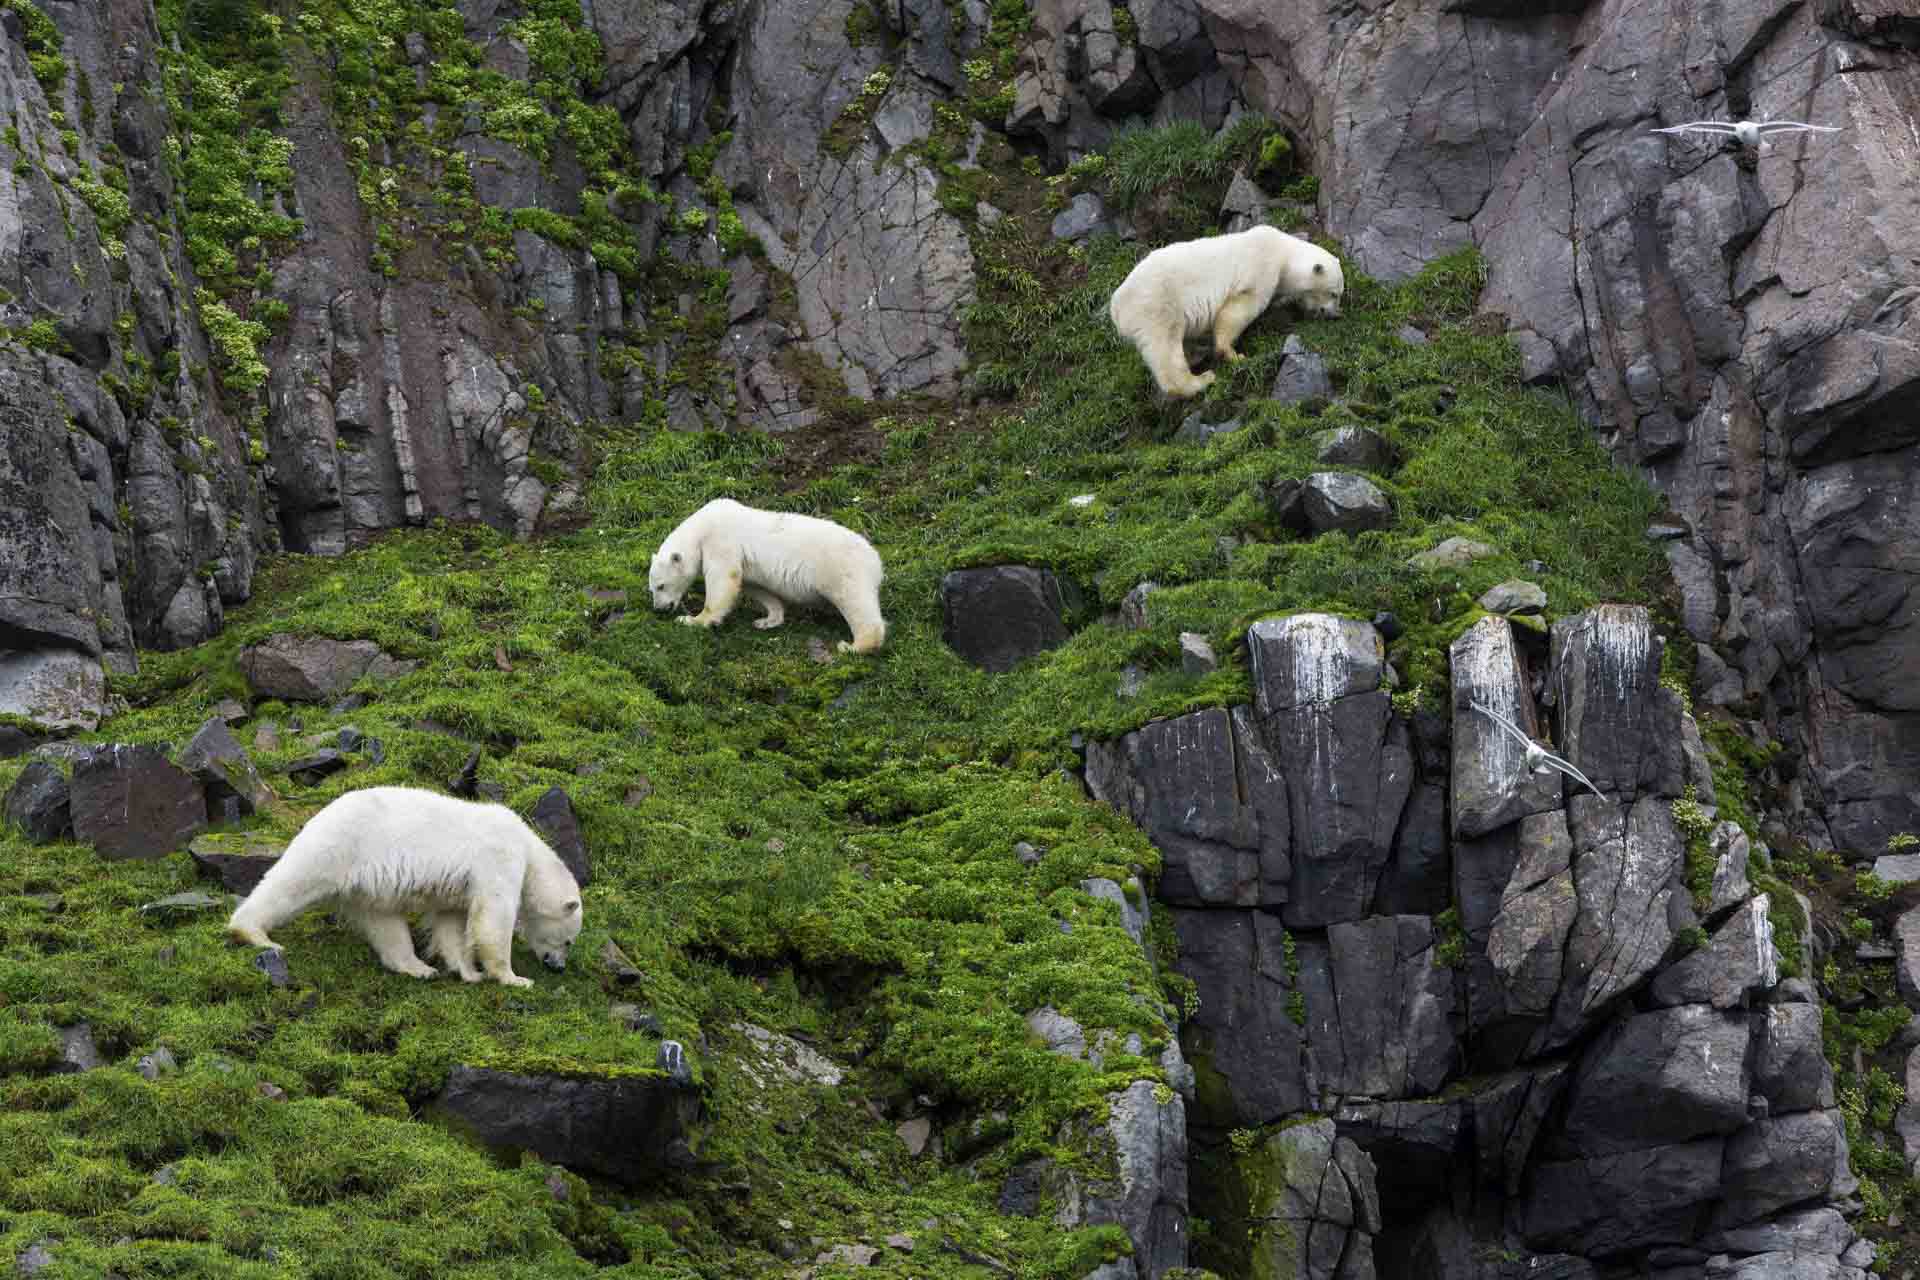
(1633, 1090)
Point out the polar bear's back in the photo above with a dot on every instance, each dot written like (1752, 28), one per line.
(1192, 278)
(404, 845)
(790, 554)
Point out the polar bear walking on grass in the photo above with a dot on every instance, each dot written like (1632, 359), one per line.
(777, 559)
(1220, 285)
(477, 871)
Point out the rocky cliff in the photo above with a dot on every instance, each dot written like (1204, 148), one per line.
(286, 281)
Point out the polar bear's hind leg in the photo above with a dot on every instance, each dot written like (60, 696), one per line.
(387, 933)
(449, 944)
(1166, 356)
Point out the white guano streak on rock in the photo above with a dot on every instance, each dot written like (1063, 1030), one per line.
(1490, 670)
(1321, 673)
(1621, 633)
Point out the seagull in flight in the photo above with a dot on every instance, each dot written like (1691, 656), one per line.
(1749, 133)
(1539, 759)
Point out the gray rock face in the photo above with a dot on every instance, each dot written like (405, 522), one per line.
(1243, 1034)
(1790, 1068)
(1379, 1009)
(131, 802)
(1317, 1218)
(1147, 1193)
(1662, 1077)
(632, 1130)
(38, 802)
(999, 616)
(1492, 785)
(1205, 790)
(1737, 963)
(1605, 1204)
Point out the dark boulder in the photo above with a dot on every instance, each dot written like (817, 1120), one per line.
(633, 1129)
(39, 803)
(223, 767)
(132, 802)
(554, 819)
(999, 616)
(313, 668)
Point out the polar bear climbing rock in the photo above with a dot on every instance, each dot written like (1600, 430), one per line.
(476, 871)
(777, 559)
(1218, 285)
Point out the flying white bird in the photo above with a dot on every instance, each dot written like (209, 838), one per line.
(1750, 133)
(1539, 759)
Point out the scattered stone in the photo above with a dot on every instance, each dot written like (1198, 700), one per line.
(1388, 626)
(787, 1058)
(557, 1187)
(901, 1242)
(1342, 502)
(1665, 532)
(1195, 431)
(642, 788)
(266, 737)
(165, 1176)
(310, 771)
(272, 1092)
(1411, 336)
(40, 803)
(273, 962)
(350, 738)
(819, 651)
(1196, 655)
(230, 710)
(634, 1018)
(53, 903)
(183, 904)
(553, 818)
(1085, 216)
(915, 1134)
(376, 751)
(1132, 680)
(1028, 854)
(620, 970)
(1515, 596)
(1133, 911)
(1303, 375)
(672, 1059)
(158, 1063)
(998, 616)
(1354, 447)
(314, 668)
(238, 861)
(1454, 553)
(491, 792)
(466, 783)
(1133, 606)
(77, 1050)
(604, 595)
(632, 1129)
(36, 1258)
(348, 705)
(132, 802)
(224, 769)
(1081, 500)
(848, 1255)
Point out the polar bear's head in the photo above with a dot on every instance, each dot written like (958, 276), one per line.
(671, 573)
(1326, 285)
(550, 916)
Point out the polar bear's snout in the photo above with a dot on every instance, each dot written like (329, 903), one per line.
(555, 960)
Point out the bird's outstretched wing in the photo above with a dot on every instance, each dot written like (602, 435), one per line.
(1770, 126)
(1704, 126)
(1534, 750)
(1518, 733)
(1553, 761)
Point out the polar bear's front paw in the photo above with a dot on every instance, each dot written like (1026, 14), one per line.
(515, 980)
(419, 970)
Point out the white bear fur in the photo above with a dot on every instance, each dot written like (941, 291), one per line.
(1218, 285)
(777, 559)
(477, 871)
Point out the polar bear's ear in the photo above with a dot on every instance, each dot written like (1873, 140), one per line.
(1319, 268)
(571, 907)
(676, 557)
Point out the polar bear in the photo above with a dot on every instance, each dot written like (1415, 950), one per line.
(1219, 284)
(479, 873)
(776, 558)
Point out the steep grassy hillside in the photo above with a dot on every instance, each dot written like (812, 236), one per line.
(823, 849)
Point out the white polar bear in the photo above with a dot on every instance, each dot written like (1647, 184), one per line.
(479, 873)
(778, 559)
(1220, 284)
